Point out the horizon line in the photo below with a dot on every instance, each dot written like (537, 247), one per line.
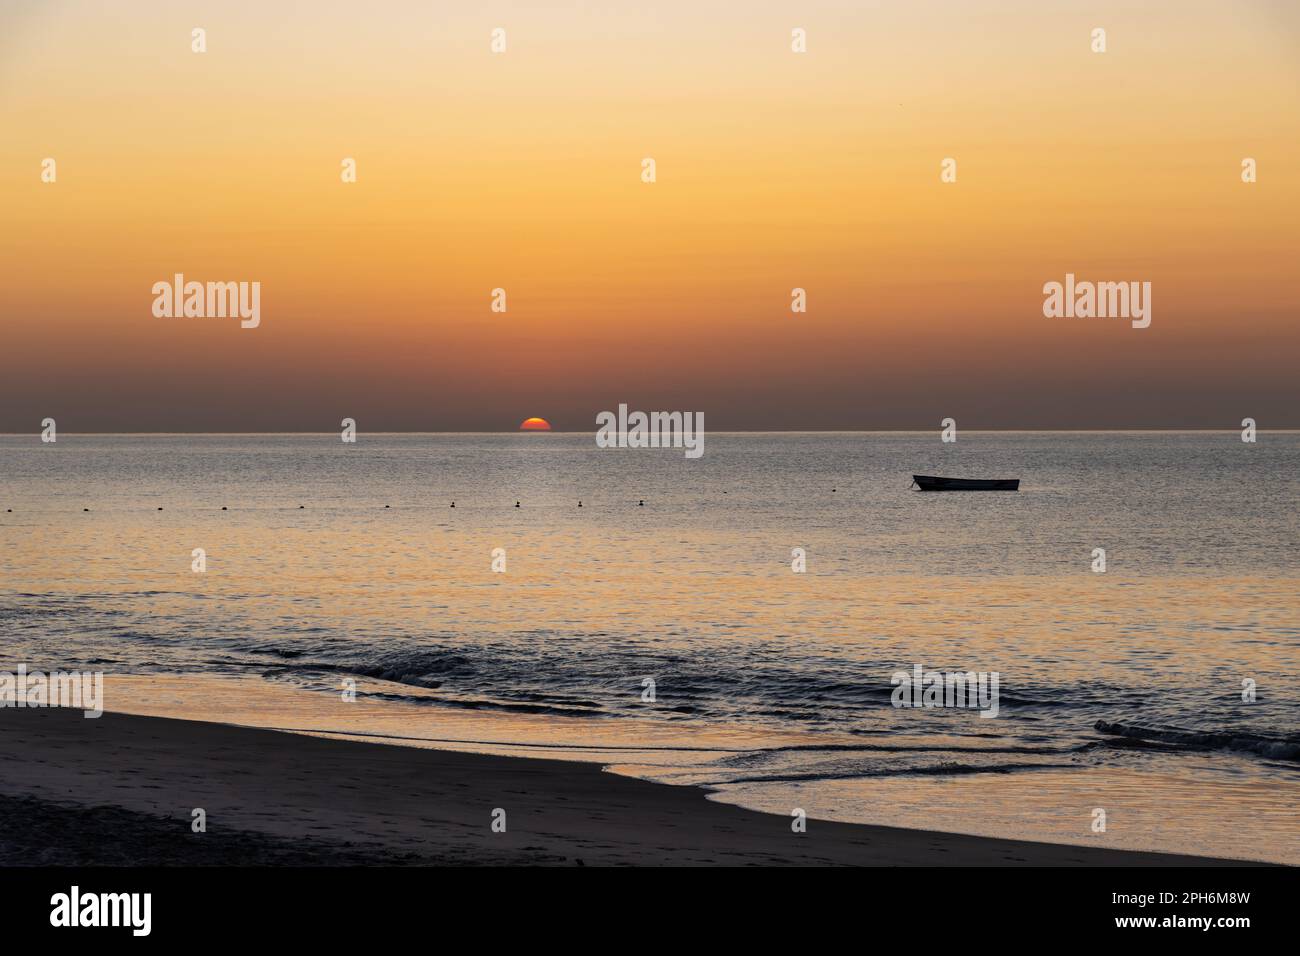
(720, 431)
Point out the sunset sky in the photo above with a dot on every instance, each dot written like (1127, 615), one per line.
(522, 171)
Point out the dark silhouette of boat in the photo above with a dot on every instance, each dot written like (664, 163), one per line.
(934, 483)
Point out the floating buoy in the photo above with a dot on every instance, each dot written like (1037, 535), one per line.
(160, 509)
(223, 508)
(516, 504)
(85, 509)
(453, 504)
(641, 503)
(579, 504)
(300, 507)
(387, 506)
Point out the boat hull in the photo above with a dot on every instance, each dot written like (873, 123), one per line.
(936, 483)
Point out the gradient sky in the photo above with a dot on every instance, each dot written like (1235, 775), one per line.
(522, 171)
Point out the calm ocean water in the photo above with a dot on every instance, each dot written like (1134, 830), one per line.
(1120, 691)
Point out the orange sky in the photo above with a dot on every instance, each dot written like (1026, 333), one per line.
(522, 171)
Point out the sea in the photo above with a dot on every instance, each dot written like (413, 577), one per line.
(735, 622)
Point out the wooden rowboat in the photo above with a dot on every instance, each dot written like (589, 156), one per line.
(934, 483)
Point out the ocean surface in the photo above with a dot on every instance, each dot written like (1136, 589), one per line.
(1119, 691)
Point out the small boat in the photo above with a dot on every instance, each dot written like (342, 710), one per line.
(933, 483)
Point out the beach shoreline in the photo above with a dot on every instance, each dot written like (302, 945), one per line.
(124, 788)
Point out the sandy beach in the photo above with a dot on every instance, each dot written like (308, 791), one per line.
(122, 788)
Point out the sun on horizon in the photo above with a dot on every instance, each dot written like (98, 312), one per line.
(535, 425)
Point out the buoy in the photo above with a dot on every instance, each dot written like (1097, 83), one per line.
(85, 509)
(579, 504)
(300, 507)
(223, 508)
(453, 504)
(387, 506)
(160, 509)
(641, 503)
(516, 504)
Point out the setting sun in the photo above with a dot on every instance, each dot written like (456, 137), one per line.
(535, 425)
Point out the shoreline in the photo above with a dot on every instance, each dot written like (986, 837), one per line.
(121, 789)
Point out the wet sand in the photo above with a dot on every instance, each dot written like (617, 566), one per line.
(121, 790)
